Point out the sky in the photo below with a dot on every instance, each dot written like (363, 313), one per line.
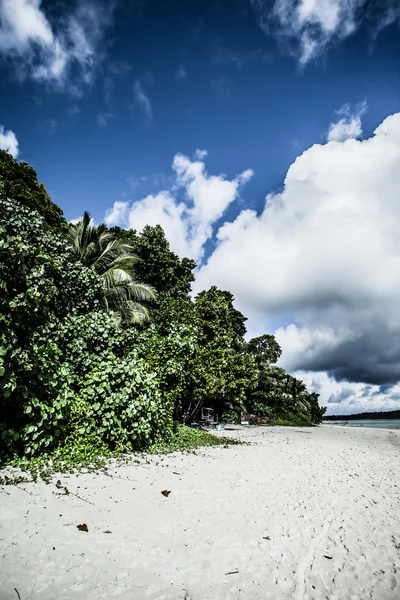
(263, 135)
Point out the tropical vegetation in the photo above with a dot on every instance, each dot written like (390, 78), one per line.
(96, 247)
(104, 350)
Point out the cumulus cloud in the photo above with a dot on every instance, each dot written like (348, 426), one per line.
(117, 214)
(313, 25)
(142, 100)
(64, 52)
(8, 141)
(325, 251)
(340, 396)
(348, 125)
(349, 398)
(200, 154)
(189, 209)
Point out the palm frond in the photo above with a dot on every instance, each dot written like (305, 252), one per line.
(133, 312)
(114, 261)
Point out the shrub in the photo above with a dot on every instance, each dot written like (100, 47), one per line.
(187, 438)
(230, 416)
(292, 420)
(262, 410)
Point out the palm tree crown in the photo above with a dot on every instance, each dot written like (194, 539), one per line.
(114, 261)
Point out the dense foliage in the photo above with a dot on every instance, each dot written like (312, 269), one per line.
(19, 182)
(113, 259)
(77, 380)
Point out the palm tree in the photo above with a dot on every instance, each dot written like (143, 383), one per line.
(299, 393)
(114, 261)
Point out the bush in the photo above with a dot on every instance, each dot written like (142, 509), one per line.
(187, 438)
(40, 286)
(230, 416)
(90, 382)
(293, 420)
(262, 410)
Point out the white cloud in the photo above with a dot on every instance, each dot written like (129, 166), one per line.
(349, 125)
(117, 215)
(142, 100)
(63, 53)
(345, 129)
(188, 210)
(165, 210)
(351, 398)
(316, 24)
(325, 251)
(8, 141)
(75, 221)
(200, 154)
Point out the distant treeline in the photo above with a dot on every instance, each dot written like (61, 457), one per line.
(392, 414)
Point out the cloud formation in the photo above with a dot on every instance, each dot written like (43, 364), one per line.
(63, 53)
(188, 209)
(8, 141)
(347, 398)
(313, 25)
(348, 125)
(325, 251)
(117, 214)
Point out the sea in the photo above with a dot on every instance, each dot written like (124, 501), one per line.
(375, 423)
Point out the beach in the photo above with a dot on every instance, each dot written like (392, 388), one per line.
(293, 514)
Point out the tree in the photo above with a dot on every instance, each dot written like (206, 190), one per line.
(19, 182)
(68, 374)
(222, 371)
(39, 287)
(159, 266)
(95, 246)
(316, 411)
(298, 390)
(265, 349)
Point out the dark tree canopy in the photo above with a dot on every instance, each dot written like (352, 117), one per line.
(20, 184)
(265, 347)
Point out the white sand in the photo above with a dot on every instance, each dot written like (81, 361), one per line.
(270, 511)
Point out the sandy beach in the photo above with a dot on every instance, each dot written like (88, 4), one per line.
(297, 514)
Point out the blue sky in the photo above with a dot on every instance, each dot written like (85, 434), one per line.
(102, 99)
(241, 98)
